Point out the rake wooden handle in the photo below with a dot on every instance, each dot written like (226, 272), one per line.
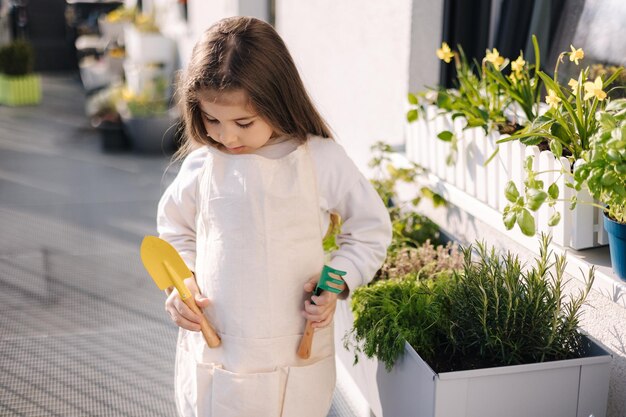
(211, 337)
(304, 350)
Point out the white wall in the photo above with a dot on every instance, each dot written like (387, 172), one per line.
(203, 13)
(354, 59)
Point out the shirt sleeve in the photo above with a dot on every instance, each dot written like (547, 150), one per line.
(176, 213)
(366, 226)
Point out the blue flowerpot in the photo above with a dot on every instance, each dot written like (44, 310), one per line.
(617, 245)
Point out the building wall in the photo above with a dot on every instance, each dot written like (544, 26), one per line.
(354, 59)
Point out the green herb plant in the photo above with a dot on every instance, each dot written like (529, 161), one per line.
(603, 168)
(494, 311)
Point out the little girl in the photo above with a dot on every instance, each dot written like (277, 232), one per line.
(247, 213)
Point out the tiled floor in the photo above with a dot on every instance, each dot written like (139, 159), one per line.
(82, 326)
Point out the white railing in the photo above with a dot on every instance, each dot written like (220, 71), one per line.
(479, 189)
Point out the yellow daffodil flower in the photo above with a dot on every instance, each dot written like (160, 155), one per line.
(594, 89)
(494, 57)
(576, 54)
(444, 53)
(552, 99)
(574, 85)
(518, 64)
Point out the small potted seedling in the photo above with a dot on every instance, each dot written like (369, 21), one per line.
(19, 86)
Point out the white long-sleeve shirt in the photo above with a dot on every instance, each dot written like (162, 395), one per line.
(365, 230)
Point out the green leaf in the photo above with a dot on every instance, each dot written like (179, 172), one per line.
(475, 122)
(556, 148)
(411, 115)
(510, 192)
(531, 140)
(412, 98)
(445, 136)
(535, 198)
(554, 219)
(526, 222)
(553, 191)
(559, 131)
(509, 219)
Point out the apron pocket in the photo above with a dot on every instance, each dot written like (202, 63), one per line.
(193, 384)
(247, 395)
(204, 381)
(310, 389)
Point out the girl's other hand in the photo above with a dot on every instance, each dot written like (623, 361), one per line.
(321, 313)
(178, 310)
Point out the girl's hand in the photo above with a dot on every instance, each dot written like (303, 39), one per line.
(178, 310)
(321, 313)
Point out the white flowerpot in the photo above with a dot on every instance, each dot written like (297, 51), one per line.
(148, 47)
(567, 388)
(112, 31)
(94, 73)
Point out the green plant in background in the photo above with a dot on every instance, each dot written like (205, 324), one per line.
(409, 227)
(145, 22)
(152, 101)
(121, 14)
(17, 58)
(567, 127)
(493, 311)
(481, 93)
(476, 97)
(570, 121)
(607, 71)
(603, 167)
(425, 259)
(522, 84)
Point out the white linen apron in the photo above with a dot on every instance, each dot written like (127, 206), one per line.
(259, 239)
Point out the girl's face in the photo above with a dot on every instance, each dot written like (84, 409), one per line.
(230, 120)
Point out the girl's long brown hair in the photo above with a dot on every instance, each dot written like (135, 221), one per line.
(247, 53)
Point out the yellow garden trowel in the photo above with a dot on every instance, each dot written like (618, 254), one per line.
(167, 269)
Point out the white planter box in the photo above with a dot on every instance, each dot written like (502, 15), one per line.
(568, 388)
(469, 180)
(112, 31)
(148, 48)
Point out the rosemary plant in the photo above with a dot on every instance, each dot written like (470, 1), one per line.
(494, 311)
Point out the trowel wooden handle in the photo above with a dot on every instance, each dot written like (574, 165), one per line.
(212, 339)
(304, 350)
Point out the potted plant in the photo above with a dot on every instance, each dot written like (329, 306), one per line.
(469, 164)
(566, 129)
(150, 124)
(416, 243)
(18, 85)
(602, 171)
(111, 25)
(492, 338)
(145, 44)
(104, 117)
